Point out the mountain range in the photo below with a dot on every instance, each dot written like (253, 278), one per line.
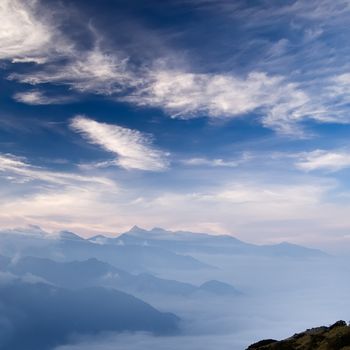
(138, 247)
(189, 242)
(92, 272)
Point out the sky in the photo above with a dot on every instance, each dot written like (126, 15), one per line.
(203, 115)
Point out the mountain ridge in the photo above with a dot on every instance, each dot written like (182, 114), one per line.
(334, 337)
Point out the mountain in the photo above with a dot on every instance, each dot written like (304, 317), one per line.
(40, 316)
(219, 288)
(68, 246)
(67, 235)
(335, 337)
(189, 242)
(92, 272)
(140, 250)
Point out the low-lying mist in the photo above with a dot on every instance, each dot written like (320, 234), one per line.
(209, 298)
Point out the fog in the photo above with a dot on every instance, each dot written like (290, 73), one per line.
(253, 294)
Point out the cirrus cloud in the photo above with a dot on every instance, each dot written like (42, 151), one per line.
(21, 34)
(19, 170)
(324, 160)
(37, 97)
(132, 148)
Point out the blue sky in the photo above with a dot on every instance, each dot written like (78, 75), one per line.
(203, 115)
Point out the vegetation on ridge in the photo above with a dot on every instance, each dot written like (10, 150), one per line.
(335, 337)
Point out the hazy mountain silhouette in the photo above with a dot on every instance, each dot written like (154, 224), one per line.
(92, 272)
(218, 288)
(68, 246)
(39, 316)
(139, 249)
(189, 242)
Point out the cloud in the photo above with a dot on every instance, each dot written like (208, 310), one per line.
(317, 10)
(281, 104)
(32, 194)
(277, 194)
(314, 10)
(249, 208)
(31, 33)
(37, 97)
(216, 162)
(28, 33)
(93, 71)
(188, 94)
(21, 34)
(132, 148)
(339, 89)
(210, 162)
(324, 160)
(20, 171)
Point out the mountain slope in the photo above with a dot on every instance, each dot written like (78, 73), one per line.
(335, 337)
(39, 316)
(92, 272)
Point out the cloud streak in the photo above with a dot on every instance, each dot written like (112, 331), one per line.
(37, 97)
(132, 148)
(19, 170)
(331, 161)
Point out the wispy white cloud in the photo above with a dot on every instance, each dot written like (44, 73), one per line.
(324, 160)
(29, 59)
(132, 148)
(186, 95)
(251, 209)
(94, 71)
(254, 211)
(28, 33)
(317, 10)
(282, 105)
(19, 170)
(37, 97)
(217, 162)
(21, 34)
(338, 89)
(32, 195)
(272, 194)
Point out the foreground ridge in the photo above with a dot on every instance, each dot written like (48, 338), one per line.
(335, 337)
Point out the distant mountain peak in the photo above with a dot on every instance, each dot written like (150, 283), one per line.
(29, 230)
(69, 236)
(159, 229)
(136, 228)
(146, 234)
(218, 287)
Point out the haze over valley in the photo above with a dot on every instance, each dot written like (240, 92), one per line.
(174, 174)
